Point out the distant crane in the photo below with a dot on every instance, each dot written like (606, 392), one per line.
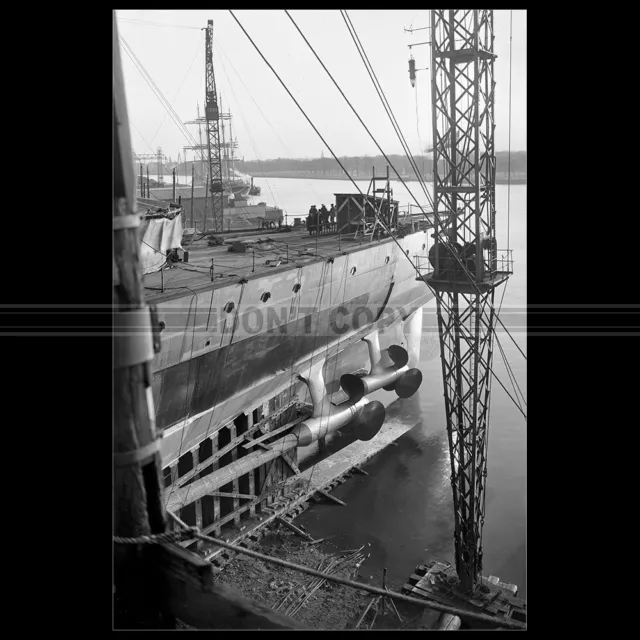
(464, 257)
(140, 159)
(212, 115)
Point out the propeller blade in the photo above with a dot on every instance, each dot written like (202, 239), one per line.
(353, 387)
(409, 383)
(369, 420)
(399, 355)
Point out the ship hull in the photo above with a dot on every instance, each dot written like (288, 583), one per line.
(216, 364)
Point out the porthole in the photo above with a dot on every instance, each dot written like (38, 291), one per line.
(161, 325)
(353, 270)
(296, 287)
(386, 260)
(265, 296)
(229, 307)
(207, 343)
(407, 251)
(424, 246)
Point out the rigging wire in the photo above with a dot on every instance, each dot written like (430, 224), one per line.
(390, 114)
(343, 168)
(244, 121)
(284, 146)
(198, 47)
(154, 87)
(387, 108)
(164, 102)
(509, 166)
(460, 263)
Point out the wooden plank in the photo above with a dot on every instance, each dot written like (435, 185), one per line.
(241, 496)
(215, 457)
(174, 474)
(328, 495)
(295, 529)
(233, 443)
(266, 436)
(196, 599)
(287, 457)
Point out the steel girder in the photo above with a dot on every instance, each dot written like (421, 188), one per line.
(464, 201)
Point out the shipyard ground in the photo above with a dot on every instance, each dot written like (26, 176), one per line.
(333, 606)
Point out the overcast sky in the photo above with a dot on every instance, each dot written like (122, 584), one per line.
(266, 121)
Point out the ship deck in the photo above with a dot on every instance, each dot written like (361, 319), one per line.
(272, 252)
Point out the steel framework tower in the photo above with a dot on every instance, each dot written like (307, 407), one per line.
(465, 258)
(212, 115)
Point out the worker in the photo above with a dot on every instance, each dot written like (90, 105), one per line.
(332, 214)
(468, 257)
(324, 216)
(312, 220)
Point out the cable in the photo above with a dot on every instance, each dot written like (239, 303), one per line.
(428, 604)
(436, 215)
(154, 87)
(509, 166)
(178, 91)
(338, 161)
(246, 125)
(163, 101)
(405, 146)
(387, 108)
(284, 146)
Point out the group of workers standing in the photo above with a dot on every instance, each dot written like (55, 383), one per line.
(318, 220)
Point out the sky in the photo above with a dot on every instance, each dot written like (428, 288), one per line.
(266, 121)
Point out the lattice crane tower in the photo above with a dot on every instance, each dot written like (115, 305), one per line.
(466, 269)
(212, 116)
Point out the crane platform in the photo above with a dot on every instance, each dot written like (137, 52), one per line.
(464, 286)
(438, 581)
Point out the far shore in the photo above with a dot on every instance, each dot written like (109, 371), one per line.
(307, 175)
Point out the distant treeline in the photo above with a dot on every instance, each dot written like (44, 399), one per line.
(362, 165)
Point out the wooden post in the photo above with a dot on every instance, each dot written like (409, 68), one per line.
(148, 195)
(141, 182)
(252, 475)
(216, 499)
(137, 477)
(173, 176)
(193, 173)
(198, 504)
(236, 483)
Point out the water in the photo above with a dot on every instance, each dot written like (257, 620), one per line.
(404, 508)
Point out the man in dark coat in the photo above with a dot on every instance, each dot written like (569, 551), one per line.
(332, 214)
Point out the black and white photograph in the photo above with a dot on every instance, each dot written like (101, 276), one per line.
(319, 319)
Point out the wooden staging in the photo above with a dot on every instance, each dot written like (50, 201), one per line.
(438, 581)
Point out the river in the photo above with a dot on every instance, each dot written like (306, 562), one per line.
(404, 508)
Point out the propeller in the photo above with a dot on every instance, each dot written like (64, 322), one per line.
(409, 383)
(399, 355)
(369, 420)
(353, 386)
